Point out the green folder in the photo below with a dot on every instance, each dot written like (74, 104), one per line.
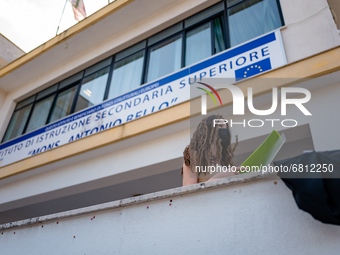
(265, 153)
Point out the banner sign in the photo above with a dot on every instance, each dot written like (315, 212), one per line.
(253, 57)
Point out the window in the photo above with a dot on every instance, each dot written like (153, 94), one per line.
(63, 104)
(198, 44)
(221, 26)
(199, 41)
(252, 18)
(17, 123)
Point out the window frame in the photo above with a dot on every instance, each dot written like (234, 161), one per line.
(73, 109)
(112, 69)
(36, 101)
(153, 45)
(76, 84)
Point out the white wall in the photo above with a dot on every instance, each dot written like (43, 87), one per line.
(8, 50)
(258, 217)
(309, 30)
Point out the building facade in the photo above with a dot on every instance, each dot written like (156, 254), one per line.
(96, 120)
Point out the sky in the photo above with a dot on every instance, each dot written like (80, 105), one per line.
(30, 23)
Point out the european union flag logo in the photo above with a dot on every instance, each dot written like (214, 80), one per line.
(253, 69)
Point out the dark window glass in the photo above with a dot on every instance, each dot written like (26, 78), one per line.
(98, 66)
(219, 32)
(165, 33)
(25, 102)
(198, 44)
(93, 89)
(165, 58)
(17, 123)
(127, 74)
(63, 104)
(252, 18)
(204, 14)
(47, 91)
(40, 114)
(205, 34)
(129, 51)
(70, 80)
(231, 2)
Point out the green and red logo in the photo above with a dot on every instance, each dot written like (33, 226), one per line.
(209, 93)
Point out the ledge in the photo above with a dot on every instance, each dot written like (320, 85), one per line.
(180, 191)
(312, 67)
